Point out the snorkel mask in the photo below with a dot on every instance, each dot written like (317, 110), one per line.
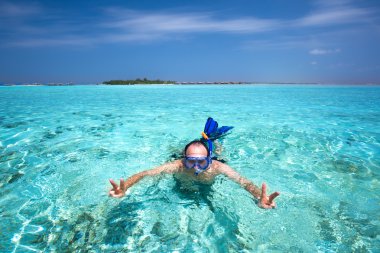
(200, 164)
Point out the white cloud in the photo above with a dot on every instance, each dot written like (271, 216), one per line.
(118, 25)
(324, 51)
(343, 15)
(9, 9)
(335, 12)
(187, 23)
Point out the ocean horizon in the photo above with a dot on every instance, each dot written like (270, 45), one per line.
(186, 83)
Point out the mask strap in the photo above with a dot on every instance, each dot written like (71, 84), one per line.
(209, 142)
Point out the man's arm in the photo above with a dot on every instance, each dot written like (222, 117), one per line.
(261, 195)
(236, 177)
(119, 191)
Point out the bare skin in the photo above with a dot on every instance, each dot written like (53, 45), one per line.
(216, 168)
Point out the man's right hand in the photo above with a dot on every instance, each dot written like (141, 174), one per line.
(117, 191)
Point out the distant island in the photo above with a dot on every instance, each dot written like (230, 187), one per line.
(137, 81)
(158, 81)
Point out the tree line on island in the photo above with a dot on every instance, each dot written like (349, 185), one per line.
(138, 81)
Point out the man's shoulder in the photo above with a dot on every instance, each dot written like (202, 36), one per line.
(176, 164)
(221, 167)
(219, 163)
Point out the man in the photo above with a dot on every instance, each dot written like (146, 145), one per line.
(197, 166)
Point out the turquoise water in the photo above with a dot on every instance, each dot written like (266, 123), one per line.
(318, 145)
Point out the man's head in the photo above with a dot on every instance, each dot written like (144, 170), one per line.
(197, 156)
(196, 148)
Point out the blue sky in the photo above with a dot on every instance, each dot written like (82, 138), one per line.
(326, 41)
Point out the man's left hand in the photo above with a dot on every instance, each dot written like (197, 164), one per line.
(267, 202)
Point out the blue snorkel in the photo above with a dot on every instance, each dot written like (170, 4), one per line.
(210, 133)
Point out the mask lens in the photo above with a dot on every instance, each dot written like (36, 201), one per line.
(201, 162)
(190, 163)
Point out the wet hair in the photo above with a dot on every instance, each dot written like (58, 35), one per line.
(196, 143)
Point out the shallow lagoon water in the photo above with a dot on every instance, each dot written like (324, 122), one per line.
(318, 145)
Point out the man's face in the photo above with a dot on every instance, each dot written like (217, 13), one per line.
(196, 158)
